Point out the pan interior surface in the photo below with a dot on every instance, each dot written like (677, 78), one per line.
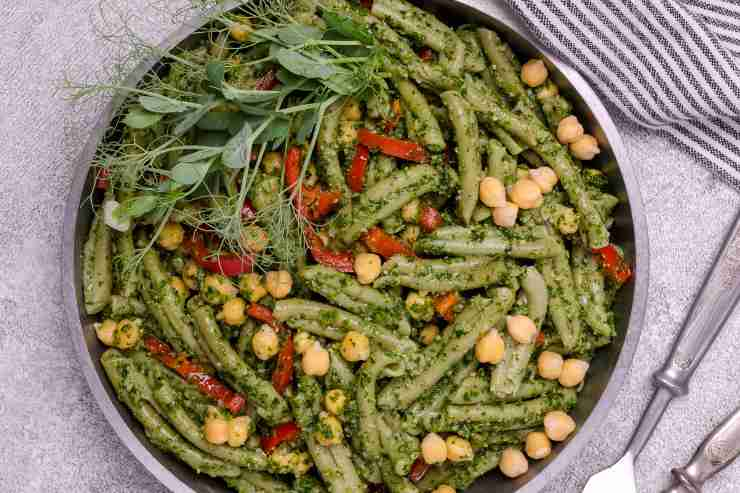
(608, 368)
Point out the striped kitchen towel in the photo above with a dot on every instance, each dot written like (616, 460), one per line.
(667, 64)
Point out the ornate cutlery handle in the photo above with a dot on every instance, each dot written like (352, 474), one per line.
(718, 296)
(719, 449)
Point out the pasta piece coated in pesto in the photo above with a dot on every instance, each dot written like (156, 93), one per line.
(427, 125)
(270, 405)
(131, 387)
(97, 267)
(329, 151)
(465, 124)
(167, 400)
(465, 331)
(589, 284)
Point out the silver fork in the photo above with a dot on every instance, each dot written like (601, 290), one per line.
(714, 304)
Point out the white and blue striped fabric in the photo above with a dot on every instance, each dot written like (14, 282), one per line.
(667, 64)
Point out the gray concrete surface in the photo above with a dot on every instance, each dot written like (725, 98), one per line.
(53, 438)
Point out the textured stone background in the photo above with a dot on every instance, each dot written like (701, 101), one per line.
(53, 436)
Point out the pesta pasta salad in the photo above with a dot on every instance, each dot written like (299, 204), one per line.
(349, 248)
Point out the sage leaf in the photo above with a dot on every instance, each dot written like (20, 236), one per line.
(291, 35)
(345, 83)
(138, 206)
(190, 173)
(193, 117)
(163, 104)
(238, 149)
(247, 96)
(300, 64)
(347, 27)
(307, 124)
(215, 121)
(139, 118)
(216, 72)
(201, 155)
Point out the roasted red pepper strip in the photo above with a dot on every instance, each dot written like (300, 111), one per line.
(613, 264)
(418, 469)
(282, 376)
(312, 203)
(390, 125)
(368, 4)
(101, 180)
(285, 432)
(385, 245)
(248, 210)
(444, 305)
(196, 374)
(402, 149)
(341, 261)
(426, 54)
(540, 340)
(228, 264)
(264, 315)
(429, 219)
(356, 173)
(268, 81)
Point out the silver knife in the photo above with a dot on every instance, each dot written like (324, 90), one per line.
(718, 296)
(718, 450)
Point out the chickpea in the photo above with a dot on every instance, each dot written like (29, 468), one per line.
(490, 348)
(492, 192)
(179, 286)
(550, 365)
(329, 430)
(254, 239)
(273, 163)
(567, 220)
(347, 133)
(240, 32)
(302, 341)
(315, 361)
(218, 289)
(355, 347)
(574, 371)
(420, 307)
(278, 283)
(239, 431)
(334, 401)
(534, 73)
(513, 463)
(127, 334)
(558, 426)
(544, 177)
(410, 234)
(547, 91)
(434, 449)
(251, 287)
(521, 328)
(506, 216)
(526, 194)
(171, 236)
(428, 333)
(215, 428)
(444, 488)
(367, 267)
(569, 130)
(265, 343)
(235, 312)
(410, 212)
(352, 110)
(538, 446)
(586, 148)
(458, 449)
(287, 461)
(190, 274)
(106, 331)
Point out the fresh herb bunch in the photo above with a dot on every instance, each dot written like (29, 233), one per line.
(190, 139)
